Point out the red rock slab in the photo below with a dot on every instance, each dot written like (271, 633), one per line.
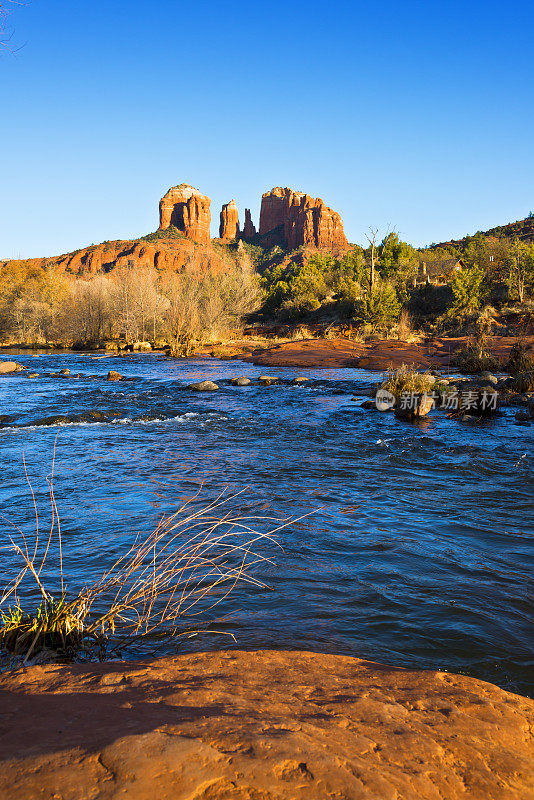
(336, 353)
(380, 355)
(261, 725)
(316, 353)
(389, 354)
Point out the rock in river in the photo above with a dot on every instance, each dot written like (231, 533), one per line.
(241, 381)
(8, 367)
(421, 407)
(203, 386)
(115, 376)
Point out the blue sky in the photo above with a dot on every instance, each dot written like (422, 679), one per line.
(413, 115)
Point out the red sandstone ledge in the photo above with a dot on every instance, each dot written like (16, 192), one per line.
(261, 725)
(380, 355)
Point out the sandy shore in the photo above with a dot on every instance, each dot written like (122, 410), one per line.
(261, 726)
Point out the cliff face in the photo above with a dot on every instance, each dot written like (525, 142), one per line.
(288, 219)
(292, 219)
(229, 224)
(188, 210)
(173, 255)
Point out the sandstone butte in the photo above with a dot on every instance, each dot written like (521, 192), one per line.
(297, 220)
(229, 224)
(188, 210)
(263, 725)
(293, 219)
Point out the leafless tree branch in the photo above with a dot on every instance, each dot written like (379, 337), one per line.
(6, 35)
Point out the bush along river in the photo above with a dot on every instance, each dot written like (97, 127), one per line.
(419, 550)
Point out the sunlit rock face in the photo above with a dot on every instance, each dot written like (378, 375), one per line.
(293, 219)
(229, 222)
(249, 229)
(188, 210)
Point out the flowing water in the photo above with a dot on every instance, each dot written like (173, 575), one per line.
(420, 550)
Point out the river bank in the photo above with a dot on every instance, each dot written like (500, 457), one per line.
(320, 352)
(377, 355)
(261, 725)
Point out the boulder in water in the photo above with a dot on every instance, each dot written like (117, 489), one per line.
(8, 367)
(115, 376)
(421, 406)
(241, 381)
(488, 377)
(203, 386)
(296, 381)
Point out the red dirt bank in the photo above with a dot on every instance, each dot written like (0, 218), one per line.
(261, 726)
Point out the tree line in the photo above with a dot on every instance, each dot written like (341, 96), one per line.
(372, 285)
(131, 303)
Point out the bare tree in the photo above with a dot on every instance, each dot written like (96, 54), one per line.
(372, 238)
(139, 305)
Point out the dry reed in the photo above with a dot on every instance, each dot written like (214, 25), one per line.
(184, 568)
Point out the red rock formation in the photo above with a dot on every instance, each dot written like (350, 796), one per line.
(292, 219)
(229, 225)
(188, 210)
(171, 255)
(249, 229)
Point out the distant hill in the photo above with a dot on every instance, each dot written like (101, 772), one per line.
(522, 229)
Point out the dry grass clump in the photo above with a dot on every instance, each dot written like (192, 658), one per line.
(301, 332)
(518, 360)
(405, 329)
(185, 567)
(475, 357)
(407, 379)
(523, 383)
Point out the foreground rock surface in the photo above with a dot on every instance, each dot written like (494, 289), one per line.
(264, 725)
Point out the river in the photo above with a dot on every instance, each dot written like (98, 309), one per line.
(419, 552)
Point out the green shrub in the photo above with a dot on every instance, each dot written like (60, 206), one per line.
(380, 308)
(167, 233)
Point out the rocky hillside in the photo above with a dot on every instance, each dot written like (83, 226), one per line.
(522, 229)
(162, 252)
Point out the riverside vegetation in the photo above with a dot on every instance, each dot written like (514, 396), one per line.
(363, 292)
